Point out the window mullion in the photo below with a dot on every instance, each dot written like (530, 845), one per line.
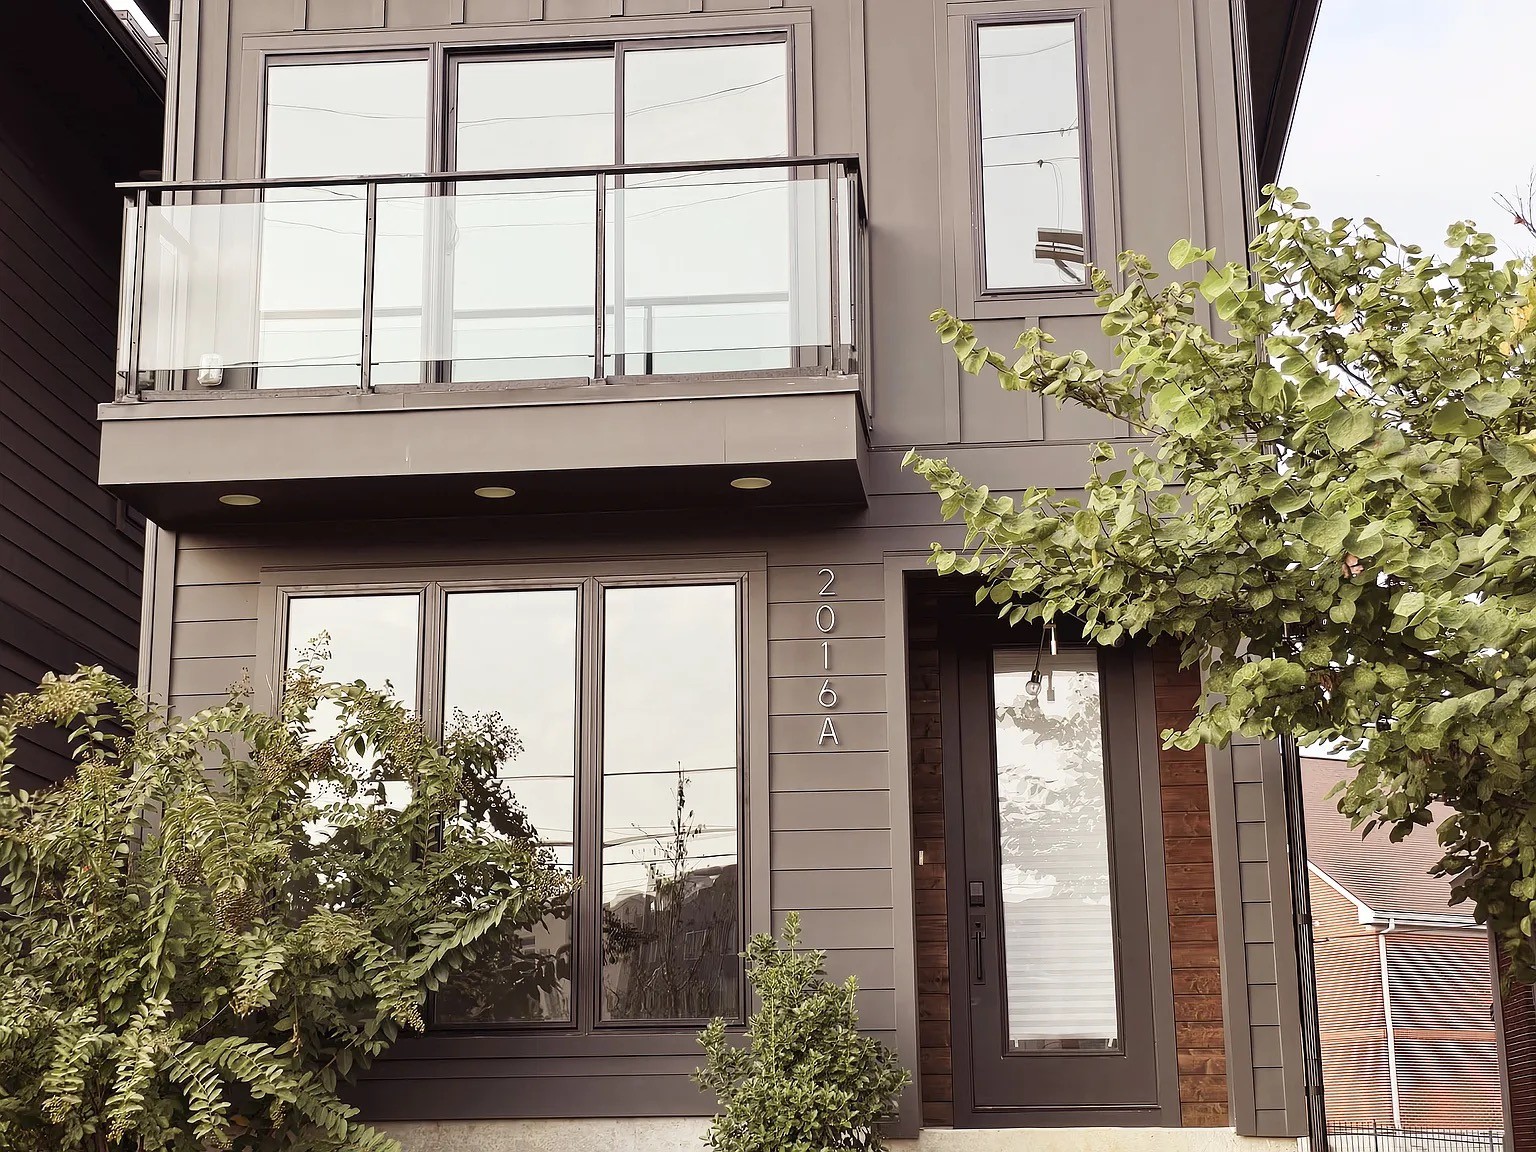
(588, 970)
(432, 661)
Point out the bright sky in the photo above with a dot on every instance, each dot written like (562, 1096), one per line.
(138, 17)
(1414, 112)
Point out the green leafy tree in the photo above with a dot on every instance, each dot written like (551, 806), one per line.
(807, 1079)
(217, 922)
(1334, 514)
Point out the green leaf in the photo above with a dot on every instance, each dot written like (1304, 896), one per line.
(1268, 386)
(1350, 426)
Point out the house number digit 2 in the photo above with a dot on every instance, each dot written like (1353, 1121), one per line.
(826, 621)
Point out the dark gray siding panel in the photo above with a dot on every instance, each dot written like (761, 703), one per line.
(1258, 951)
(69, 553)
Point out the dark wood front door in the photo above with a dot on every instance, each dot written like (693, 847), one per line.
(1050, 965)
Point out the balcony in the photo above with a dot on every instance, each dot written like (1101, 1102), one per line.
(334, 348)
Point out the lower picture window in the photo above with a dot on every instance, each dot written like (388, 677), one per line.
(626, 700)
(671, 904)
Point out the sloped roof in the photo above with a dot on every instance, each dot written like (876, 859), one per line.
(1384, 876)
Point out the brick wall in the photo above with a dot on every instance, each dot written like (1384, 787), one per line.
(1518, 1016)
(1190, 876)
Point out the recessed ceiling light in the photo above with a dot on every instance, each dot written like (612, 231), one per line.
(495, 492)
(239, 499)
(751, 483)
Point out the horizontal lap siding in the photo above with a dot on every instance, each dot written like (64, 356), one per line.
(69, 564)
(829, 803)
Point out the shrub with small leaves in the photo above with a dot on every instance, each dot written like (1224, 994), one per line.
(807, 1080)
(1331, 510)
(218, 921)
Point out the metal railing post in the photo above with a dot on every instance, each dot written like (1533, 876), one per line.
(599, 282)
(136, 292)
(370, 252)
(835, 243)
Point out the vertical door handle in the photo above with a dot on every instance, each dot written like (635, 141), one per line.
(978, 949)
(976, 899)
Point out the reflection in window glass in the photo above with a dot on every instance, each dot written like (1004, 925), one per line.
(669, 890)
(1031, 155)
(514, 653)
(703, 267)
(361, 118)
(370, 638)
(523, 251)
(1053, 829)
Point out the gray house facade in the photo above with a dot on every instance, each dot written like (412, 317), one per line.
(558, 357)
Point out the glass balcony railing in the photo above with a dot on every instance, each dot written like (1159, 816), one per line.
(743, 268)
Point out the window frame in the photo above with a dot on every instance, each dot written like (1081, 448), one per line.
(747, 574)
(1078, 20)
(960, 21)
(613, 48)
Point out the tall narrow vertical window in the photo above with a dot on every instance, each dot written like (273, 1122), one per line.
(360, 118)
(524, 251)
(513, 653)
(1033, 193)
(1053, 836)
(705, 268)
(670, 777)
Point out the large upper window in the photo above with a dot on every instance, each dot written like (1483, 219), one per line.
(497, 280)
(1030, 153)
(332, 118)
(626, 700)
(699, 267)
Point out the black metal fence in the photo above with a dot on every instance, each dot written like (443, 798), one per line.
(1385, 1138)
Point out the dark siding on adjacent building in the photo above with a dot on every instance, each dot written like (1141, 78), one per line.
(69, 553)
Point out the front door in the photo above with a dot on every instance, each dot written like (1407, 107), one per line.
(1050, 965)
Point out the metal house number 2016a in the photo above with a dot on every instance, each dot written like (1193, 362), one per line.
(826, 621)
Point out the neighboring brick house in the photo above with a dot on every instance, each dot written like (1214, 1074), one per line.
(1405, 984)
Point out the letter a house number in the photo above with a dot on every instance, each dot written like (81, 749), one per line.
(826, 621)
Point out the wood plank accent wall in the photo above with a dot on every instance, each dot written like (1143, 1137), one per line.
(1191, 880)
(929, 900)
